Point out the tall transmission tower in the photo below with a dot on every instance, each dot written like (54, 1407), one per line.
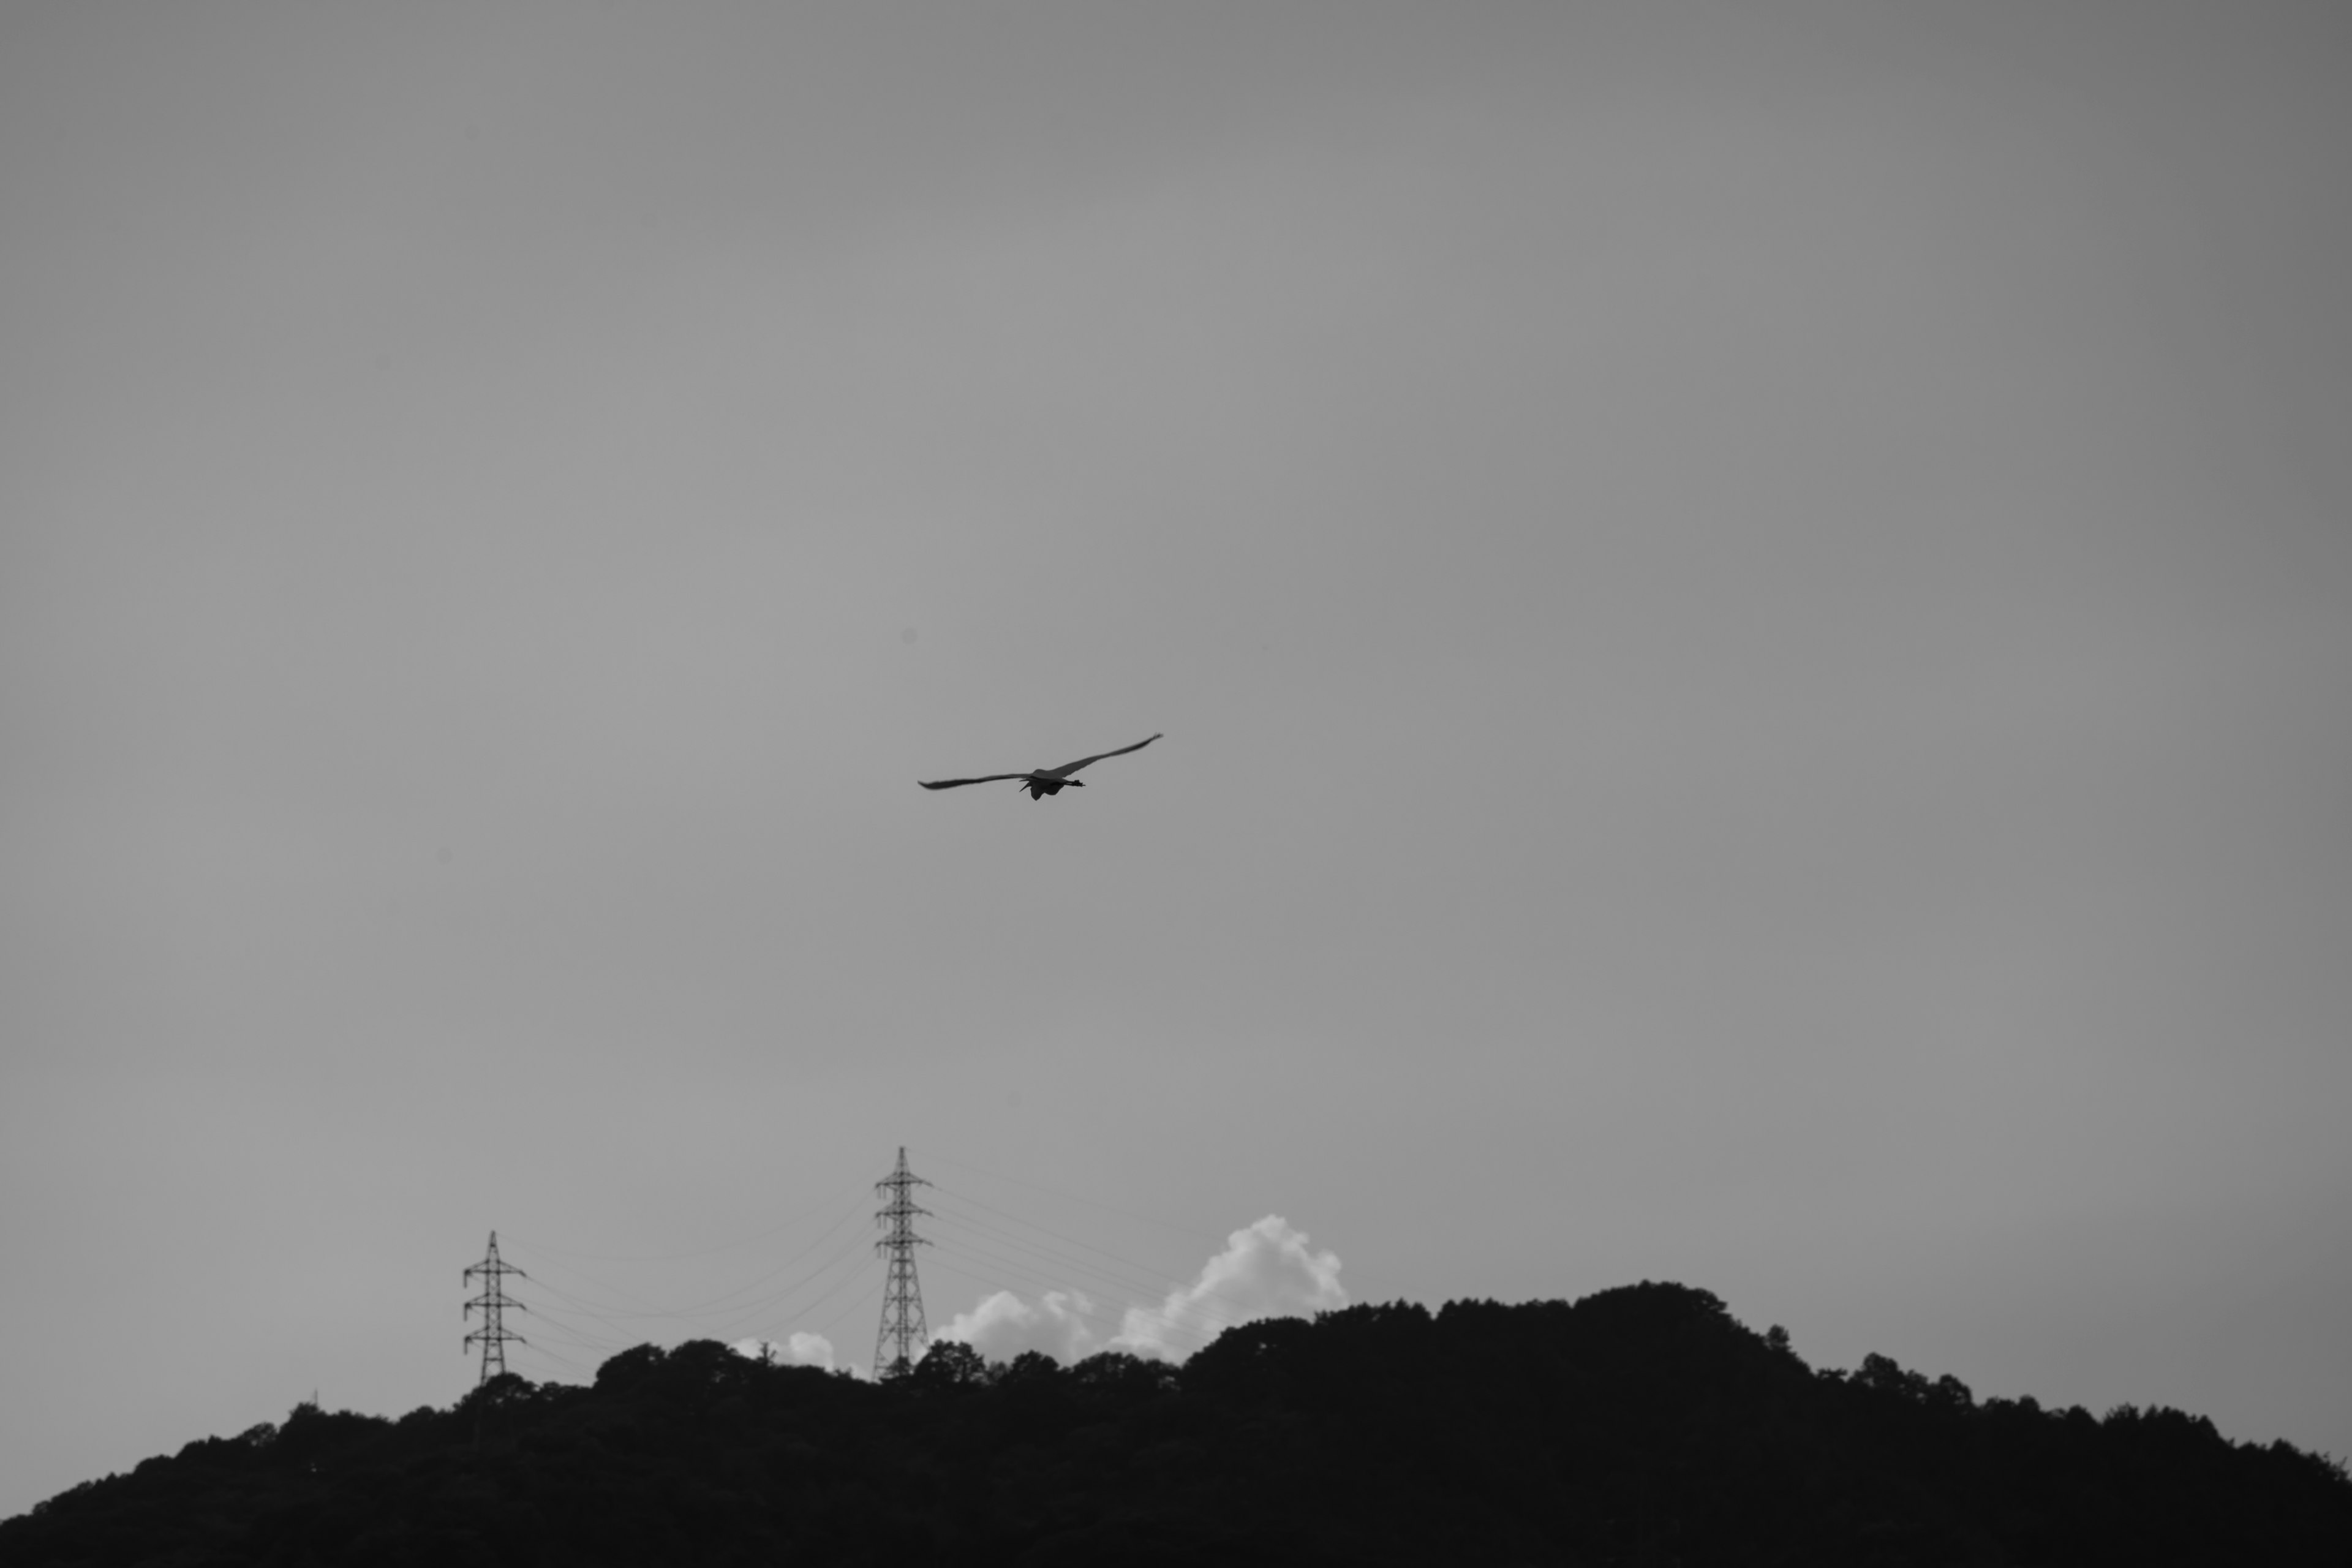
(493, 1335)
(902, 1297)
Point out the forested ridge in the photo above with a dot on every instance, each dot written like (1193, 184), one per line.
(1643, 1425)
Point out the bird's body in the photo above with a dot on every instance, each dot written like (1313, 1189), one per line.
(1043, 782)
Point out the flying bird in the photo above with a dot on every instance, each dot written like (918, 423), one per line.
(1043, 782)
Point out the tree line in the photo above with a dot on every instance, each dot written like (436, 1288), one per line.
(1643, 1425)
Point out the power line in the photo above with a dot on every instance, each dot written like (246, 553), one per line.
(811, 1278)
(854, 1306)
(1142, 1278)
(714, 1316)
(656, 1310)
(1060, 1268)
(563, 1361)
(991, 1273)
(1073, 1197)
(1379, 1281)
(777, 1229)
(1047, 1273)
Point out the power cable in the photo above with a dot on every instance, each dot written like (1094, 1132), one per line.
(1073, 1197)
(1129, 1286)
(1056, 1234)
(676, 1257)
(1143, 1278)
(770, 1307)
(655, 1309)
(956, 1262)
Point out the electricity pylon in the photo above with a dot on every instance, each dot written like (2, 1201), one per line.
(902, 1297)
(493, 1334)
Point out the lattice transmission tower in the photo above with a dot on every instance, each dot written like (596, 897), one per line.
(902, 1296)
(493, 1335)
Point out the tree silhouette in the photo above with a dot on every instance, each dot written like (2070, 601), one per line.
(949, 1364)
(1639, 1424)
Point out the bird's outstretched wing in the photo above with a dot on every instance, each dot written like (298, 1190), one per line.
(986, 778)
(1066, 769)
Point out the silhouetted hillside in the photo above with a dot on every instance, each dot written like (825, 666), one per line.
(1639, 1425)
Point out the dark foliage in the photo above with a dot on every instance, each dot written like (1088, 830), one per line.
(1639, 1425)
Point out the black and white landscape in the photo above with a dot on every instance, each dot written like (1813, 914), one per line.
(1747, 607)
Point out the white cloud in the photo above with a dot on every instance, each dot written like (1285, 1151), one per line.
(1266, 1271)
(802, 1350)
(1003, 1326)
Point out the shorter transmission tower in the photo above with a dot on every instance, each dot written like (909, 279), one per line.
(902, 1296)
(493, 1335)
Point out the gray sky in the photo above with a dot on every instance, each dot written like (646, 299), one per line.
(1749, 604)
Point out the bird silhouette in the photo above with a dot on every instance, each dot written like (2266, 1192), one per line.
(1043, 782)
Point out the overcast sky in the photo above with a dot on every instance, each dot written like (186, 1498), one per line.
(1752, 606)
